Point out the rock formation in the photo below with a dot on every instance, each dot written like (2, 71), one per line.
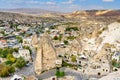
(112, 76)
(34, 40)
(46, 55)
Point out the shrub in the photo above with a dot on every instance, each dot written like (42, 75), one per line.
(20, 63)
(11, 69)
(72, 28)
(8, 63)
(19, 39)
(60, 73)
(11, 58)
(65, 42)
(71, 37)
(73, 58)
(6, 70)
(55, 38)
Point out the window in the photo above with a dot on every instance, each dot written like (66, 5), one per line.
(80, 62)
(99, 73)
(53, 78)
(15, 79)
(106, 70)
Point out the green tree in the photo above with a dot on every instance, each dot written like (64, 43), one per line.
(20, 63)
(71, 37)
(60, 37)
(19, 39)
(55, 38)
(11, 69)
(60, 73)
(5, 52)
(16, 49)
(73, 58)
(8, 63)
(65, 42)
(11, 58)
(4, 72)
(113, 62)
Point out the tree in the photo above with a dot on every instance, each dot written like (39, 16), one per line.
(11, 69)
(73, 58)
(60, 37)
(113, 62)
(60, 73)
(2, 32)
(4, 72)
(71, 37)
(65, 42)
(5, 52)
(11, 58)
(16, 49)
(8, 62)
(20, 63)
(55, 38)
(19, 39)
(72, 28)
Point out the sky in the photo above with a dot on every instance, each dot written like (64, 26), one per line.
(61, 5)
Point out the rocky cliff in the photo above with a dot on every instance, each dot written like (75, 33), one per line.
(35, 40)
(112, 76)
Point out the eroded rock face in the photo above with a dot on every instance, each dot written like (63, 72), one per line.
(46, 55)
(34, 40)
(112, 76)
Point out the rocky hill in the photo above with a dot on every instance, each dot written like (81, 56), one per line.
(34, 14)
(95, 13)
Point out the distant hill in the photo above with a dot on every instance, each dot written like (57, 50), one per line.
(28, 15)
(41, 12)
(95, 13)
(30, 11)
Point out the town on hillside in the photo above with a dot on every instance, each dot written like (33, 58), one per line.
(73, 46)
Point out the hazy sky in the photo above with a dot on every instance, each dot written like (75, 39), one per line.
(61, 5)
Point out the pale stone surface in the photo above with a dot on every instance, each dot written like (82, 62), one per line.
(112, 76)
(63, 78)
(34, 40)
(111, 35)
(31, 77)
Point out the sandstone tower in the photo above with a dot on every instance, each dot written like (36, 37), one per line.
(35, 40)
(46, 55)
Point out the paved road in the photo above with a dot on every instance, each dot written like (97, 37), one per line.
(68, 71)
(26, 71)
(74, 73)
